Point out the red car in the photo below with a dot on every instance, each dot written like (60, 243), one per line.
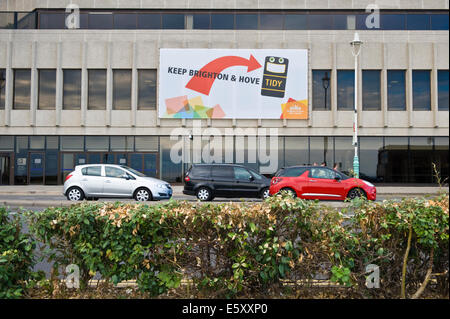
(319, 182)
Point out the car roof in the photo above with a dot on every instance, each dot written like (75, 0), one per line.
(100, 164)
(217, 164)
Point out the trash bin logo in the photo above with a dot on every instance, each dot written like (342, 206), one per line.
(275, 76)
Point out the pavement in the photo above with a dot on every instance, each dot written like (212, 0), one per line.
(46, 196)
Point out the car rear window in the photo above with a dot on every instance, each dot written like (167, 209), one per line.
(92, 171)
(222, 172)
(291, 172)
(200, 171)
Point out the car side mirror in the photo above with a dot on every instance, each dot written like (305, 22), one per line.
(126, 176)
(337, 178)
(251, 178)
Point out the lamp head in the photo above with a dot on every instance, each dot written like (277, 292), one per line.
(326, 81)
(356, 44)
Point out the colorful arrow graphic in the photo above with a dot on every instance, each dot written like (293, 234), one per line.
(203, 81)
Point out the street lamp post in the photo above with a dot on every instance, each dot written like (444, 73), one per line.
(356, 49)
(326, 85)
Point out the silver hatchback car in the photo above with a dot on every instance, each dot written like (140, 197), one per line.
(106, 180)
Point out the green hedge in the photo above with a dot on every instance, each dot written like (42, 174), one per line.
(236, 249)
(16, 256)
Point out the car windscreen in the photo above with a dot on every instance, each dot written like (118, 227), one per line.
(135, 172)
(291, 172)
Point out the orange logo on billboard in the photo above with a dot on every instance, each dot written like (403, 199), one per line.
(294, 109)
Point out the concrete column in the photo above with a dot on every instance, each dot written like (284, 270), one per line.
(84, 83)
(59, 85)
(434, 87)
(109, 86)
(409, 87)
(9, 85)
(134, 86)
(384, 88)
(34, 85)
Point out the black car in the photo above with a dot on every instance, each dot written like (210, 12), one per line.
(207, 181)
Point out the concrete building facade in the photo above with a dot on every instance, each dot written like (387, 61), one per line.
(396, 146)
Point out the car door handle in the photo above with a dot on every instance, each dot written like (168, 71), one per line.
(107, 181)
(313, 181)
(84, 180)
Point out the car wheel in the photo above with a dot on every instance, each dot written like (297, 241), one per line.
(356, 192)
(290, 192)
(265, 193)
(142, 195)
(75, 194)
(204, 194)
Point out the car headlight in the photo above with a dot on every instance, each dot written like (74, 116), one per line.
(161, 186)
(368, 183)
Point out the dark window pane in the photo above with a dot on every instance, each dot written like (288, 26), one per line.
(122, 143)
(6, 20)
(149, 21)
(22, 87)
(84, 20)
(292, 172)
(26, 20)
(321, 149)
(52, 142)
(296, 22)
(146, 143)
(72, 143)
(296, 150)
(2, 88)
(122, 89)
(170, 171)
(371, 90)
(92, 171)
(418, 22)
(246, 21)
(271, 21)
(222, 21)
(97, 143)
(321, 89)
(344, 22)
(345, 90)
(125, 21)
(421, 90)
(97, 90)
(47, 89)
(52, 20)
(202, 21)
(344, 152)
(241, 174)
(71, 89)
(370, 150)
(420, 159)
(443, 90)
(147, 90)
(320, 22)
(361, 20)
(393, 161)
(222, 172)
(441, 159)
(7, 143)
(393, 21)
(37, 142)
(200, 171)
(396, 90)
(100, 21)
(173, 21)
(439, 21)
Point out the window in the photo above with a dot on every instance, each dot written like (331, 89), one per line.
(200, 171)
(97, 143)
(146, 89)
(101, 20)
(2, 88)
(418, 22)
(202, 21)
(291, 172)
(296, 22)
(371, 90)
(97, 90)
(22, 89)
(296, 150)
(396, 90)
(222, 172)
(149, 21)
(393, 161)
(125, 21)
(115, 172)
(271, 21)
(71, 89)
(345, 89)
(439, 21)
(321, 172)
(173, 21)
(393, 21)
(443, 90)
(52, 20)
(420, 159)
(344, 152)
(92, 171)
(72, 143)
(122, 143)
(47, 89)
(421, 90)
(122, 90)
(246, 21)
(222, 21)
(6, 143)
(37, 142)
(321, 149)
(321, 89)
(241, 173)
(146, 143)
(320, 22)
(370, 151)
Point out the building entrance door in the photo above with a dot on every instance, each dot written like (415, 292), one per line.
(6, 172)
(36, 171)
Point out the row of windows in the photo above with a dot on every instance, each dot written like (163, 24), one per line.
(321, 100)
(230, 20)
(72, 83)
(371, 90)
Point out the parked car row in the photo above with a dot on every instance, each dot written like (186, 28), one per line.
(208, 181)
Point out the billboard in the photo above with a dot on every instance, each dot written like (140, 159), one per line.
(233, 83)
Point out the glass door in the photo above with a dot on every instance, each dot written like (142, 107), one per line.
(36, 174)
(5, 169)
